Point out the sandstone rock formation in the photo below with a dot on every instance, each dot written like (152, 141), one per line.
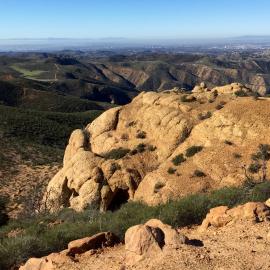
(150, 239)
(161, 146)
(51, 262)
(100, 240)
(222, 215)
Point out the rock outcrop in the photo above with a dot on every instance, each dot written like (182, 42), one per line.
(222, 215)
(161, 146)
(100, 240)
(150, 239)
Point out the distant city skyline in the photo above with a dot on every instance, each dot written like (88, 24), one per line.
(148, 19)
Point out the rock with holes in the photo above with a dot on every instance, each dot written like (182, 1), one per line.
(97, 241)
(222, 215)
(150, 239)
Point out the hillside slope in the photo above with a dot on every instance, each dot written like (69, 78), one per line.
(162, 146)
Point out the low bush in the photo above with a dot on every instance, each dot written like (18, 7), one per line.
(203, 116)
(177, 160)
(116, 153)
(39, 239)
(158, 186)
(236, 155)
(198, 173)
(193, 150)
(188, 98)
(219, 107)
(241, 93)
(228, 142)
(171, 170)
(141, 135)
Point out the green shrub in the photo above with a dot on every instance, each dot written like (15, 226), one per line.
(3, 213)
(193, 150)
(141, 147)
(141, 135)
(151, 148)
(177, 160)
(158, 186)
(117, 153)
(236, 155)
(219, 107)
(228, 142)
(241, 93)
(38, 239)
(198, 173)
(188, 98)
(171, 170)
(203, 116)
(254, 168)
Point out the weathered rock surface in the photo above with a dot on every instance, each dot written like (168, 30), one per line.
(100, 240)
(150, 239)
(127, 153)
(51, 262)
(222, 215)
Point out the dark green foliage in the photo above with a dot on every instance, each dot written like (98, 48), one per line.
(141, 135)
(158, 186)
(236, 155)
(198, 173)
(260, 159)
(115, 167)
(202, 116)
(254, 168)
(39, 239)
(117, 153)
(228, 142)
(263, 153)
(219, 107)
(171, 170)
(193, 150)
(45, 128)
(3, 213)
(187, 98)
(151, 148)
(241, 93)
(10, 94)
(177, 160)
(141, 147)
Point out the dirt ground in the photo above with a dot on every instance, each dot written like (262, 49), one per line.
(241, 246)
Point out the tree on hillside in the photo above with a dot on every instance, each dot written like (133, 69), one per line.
(259, 164)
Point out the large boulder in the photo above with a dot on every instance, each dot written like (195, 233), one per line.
(151, 239)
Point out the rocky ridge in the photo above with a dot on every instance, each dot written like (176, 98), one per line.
(161, 146)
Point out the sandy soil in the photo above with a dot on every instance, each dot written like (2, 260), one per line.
(241, 246)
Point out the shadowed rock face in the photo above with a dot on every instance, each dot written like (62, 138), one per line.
(145, 150)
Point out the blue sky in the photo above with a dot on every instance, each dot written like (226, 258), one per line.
(133, 18)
